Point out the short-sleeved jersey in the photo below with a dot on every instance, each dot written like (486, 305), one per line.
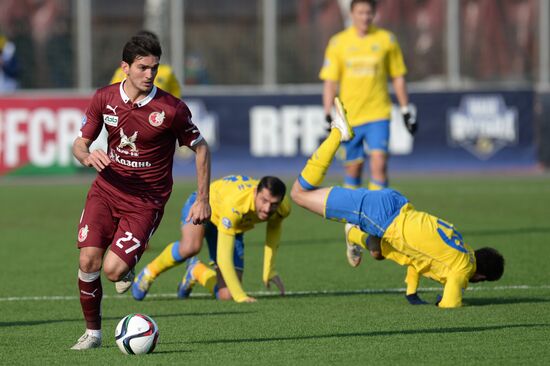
(141, 140)
(362, 66)
(434, 248)
(233, 207)
(165, 80)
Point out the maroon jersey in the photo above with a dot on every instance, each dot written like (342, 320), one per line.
(142, 140)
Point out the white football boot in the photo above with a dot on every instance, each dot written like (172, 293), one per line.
(354, 252)
(126, 282)
(341, 121)
(87, 341)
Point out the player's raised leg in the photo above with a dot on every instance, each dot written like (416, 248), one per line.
(305, 191)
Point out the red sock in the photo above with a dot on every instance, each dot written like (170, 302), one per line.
(90, 301)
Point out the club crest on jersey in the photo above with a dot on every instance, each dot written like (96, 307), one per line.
(156, 118)
(128, 141)
(226, 223)
(83, 233)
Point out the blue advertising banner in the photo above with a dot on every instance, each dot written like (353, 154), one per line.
(275, 133)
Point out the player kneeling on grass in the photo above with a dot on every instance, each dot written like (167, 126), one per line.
(238, 203)
(397, 231)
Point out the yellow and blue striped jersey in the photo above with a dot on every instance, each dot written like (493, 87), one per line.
(165, 80)
(362, 66)
(434, 248)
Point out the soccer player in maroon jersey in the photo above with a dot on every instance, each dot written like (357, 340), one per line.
(126, 200)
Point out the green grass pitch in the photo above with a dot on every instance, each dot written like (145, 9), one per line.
(333, 314)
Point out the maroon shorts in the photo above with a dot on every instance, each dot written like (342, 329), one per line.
(120, 221)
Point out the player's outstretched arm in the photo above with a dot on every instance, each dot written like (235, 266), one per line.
(226, 247)
(96, 159)
(200, 211)
(452, 292)
(273, 238)
(409, 116)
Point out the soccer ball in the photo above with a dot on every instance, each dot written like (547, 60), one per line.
(136, 334)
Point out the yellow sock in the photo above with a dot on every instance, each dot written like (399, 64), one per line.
(356, 236)
(412, 280)
(350, 186)
(375, 185)
(167, 259)
(317, 165)
(205, 276)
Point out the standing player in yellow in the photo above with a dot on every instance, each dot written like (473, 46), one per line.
(390, 227)
(165, 80)
(238, 203)
(359, 60)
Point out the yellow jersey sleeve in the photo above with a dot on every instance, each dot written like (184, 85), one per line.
(273, 238)
(166, 80)
(226, 246)
(118, 76)
(412, 280)
(174, 86)
(396, 65)
(332, 64)
(452, 292)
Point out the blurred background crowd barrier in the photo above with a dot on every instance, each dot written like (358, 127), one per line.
(275, 48)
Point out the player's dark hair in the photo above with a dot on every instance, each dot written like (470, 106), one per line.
(145, 32)
(372, 3)
(490, 263)
(274, 185)
(141, 45)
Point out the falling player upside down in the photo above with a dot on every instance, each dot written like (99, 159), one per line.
(429, 246)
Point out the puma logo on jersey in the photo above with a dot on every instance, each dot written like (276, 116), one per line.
(127, 141)
(92, 294)
(112, 108)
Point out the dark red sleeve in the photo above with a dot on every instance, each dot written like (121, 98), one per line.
(93, 118)
(185, 130)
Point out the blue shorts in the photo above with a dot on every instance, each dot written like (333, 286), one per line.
(372, 211)
(375, 135)
(211, 236)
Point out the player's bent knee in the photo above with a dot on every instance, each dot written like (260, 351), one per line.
(296, 193)
(114, 275)
(224, 294)
(114, 268)
(89, 262)
(189, 248)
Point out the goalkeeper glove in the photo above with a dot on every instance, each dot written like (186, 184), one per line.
(413, 299)
(409, 117)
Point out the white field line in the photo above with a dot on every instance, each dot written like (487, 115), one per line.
(288, 293)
